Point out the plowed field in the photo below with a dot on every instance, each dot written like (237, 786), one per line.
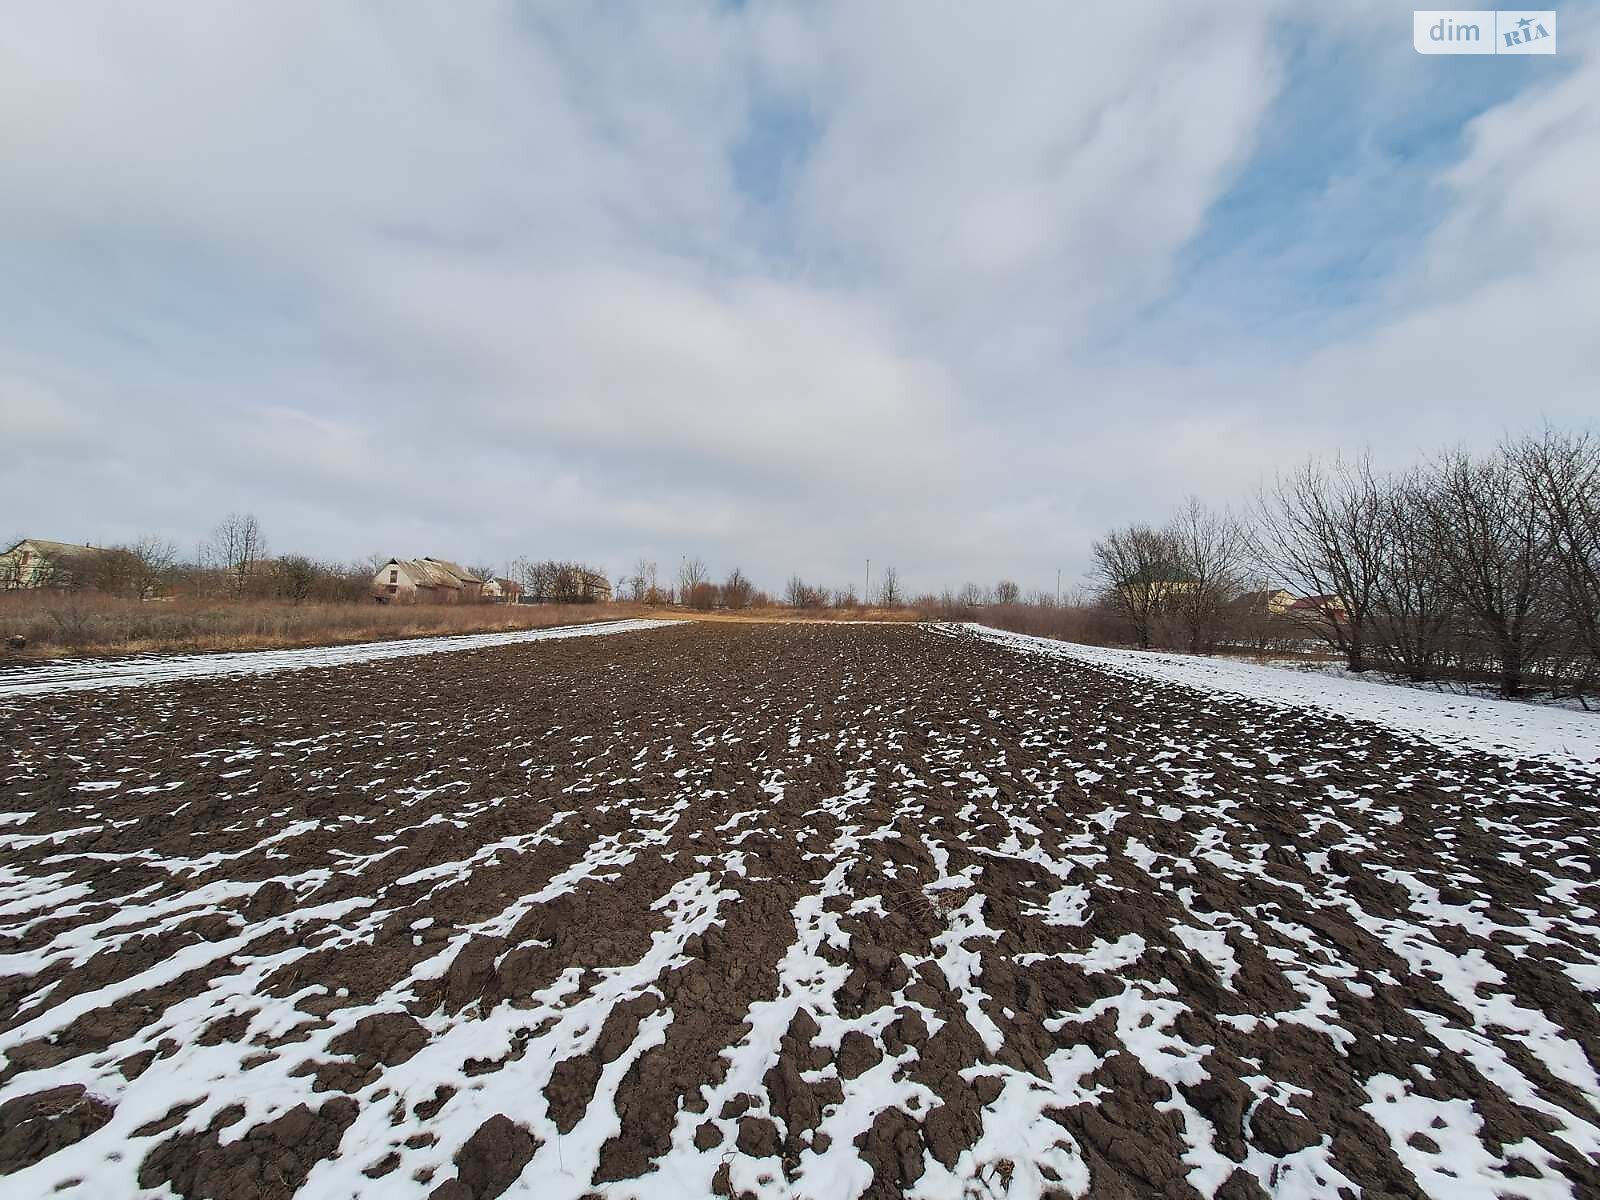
(807, 910)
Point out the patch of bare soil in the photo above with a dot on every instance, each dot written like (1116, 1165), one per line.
(781, 910)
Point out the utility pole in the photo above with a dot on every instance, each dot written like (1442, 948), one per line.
(866, 596)
(1058, 587)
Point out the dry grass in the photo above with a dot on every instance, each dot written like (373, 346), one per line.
(797, 615)
(71, 623)
(86, 623)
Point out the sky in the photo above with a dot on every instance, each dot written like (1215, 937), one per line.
(779, 286)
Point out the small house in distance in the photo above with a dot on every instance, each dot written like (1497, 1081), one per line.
(502, 591)
(425, 581)
(470, 587)
(1274, 602)
(595, 587)
(37, 563)
(1330, 609)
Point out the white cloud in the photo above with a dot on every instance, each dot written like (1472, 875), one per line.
(308, 264)
(1047, 164)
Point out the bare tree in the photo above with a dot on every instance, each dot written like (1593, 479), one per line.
(692, 574)
(592, 584)
(234, 545)
(1490, 533)
(137, 570)
(1561, 472)
(153, 561)
(1138, 568)
(799, 594)
(1413, 606)
(538, 580)
(1007, 592)
(642, 587)
(1211, 550)
(566, 583)
(1321, 531)
(889, 594)
(737, 590)
(296, 576)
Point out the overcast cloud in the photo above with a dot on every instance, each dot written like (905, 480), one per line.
(784, 287)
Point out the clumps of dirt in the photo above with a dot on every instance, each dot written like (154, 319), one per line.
(387, 1038)
(858, 1054)
(799, 1103)
(893, 1148)
(949, 863)
(40, 1123)
(489, 1161)
(573, 1081)
(269, 1162)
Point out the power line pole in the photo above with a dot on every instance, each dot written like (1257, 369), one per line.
(1058, 587)
(866, 596)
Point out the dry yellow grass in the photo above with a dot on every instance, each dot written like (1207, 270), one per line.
(56, 623)
(82, 623)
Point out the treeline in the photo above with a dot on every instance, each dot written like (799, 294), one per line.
(233, 561)
(1479, 567)
(553, 582)
(696, 588)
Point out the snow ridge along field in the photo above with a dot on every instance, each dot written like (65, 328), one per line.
(1479, 723)
(168, 668)
(783, 911)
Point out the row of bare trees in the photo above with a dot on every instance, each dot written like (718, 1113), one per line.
(235, 561)
(1469, 566)
(549, 581)
(231, 562)
(696, 588)
(1176, 583)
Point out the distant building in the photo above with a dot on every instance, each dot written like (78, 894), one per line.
(1158, 583)
(36, 563)
(1274, 602)
(1326, 608)
(502, 591)
(425, 581)
(468, 584)
(595, 586)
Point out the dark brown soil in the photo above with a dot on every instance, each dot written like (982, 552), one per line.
(727, 908)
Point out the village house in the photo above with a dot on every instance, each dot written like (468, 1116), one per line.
(1319, 608)
(36, 563)
(469, 585)
(1158, 584)
(425, 581)
(502, 591)
(1274, 602)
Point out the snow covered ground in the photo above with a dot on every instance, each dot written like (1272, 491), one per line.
(1500, 727)
(790, 911)
(74, 676)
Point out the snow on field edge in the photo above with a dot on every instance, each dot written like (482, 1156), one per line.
(138, 672)
(1501, 727)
